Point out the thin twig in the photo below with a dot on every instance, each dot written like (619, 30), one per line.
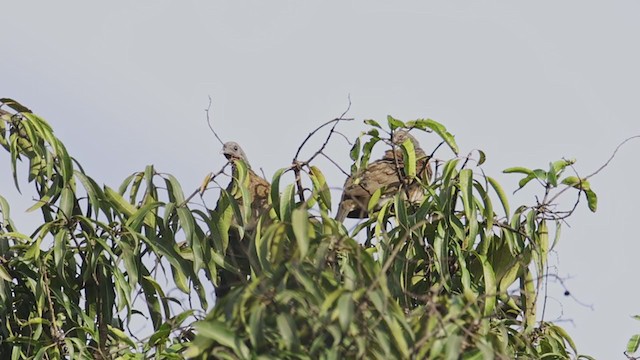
(209, 122)
(613, 155)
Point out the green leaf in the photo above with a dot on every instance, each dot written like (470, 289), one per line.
(552, 178)
(543, 238)
(439, 129)
(482, 157)
(287, 329)
(300, 223)
(4, 274)
(518, 170)
(121, 336)
(143, 214)
(15, 105)
(287, 203)
(565, 336)
(409, 157)
(592, 200)
(394, 123)
(373, 123)
(118, 202)
(5, 211)
(321, 187)
(560, 165)
(345, 311)
(374, 200)
(219, 332)
(355, 150)
(571, 181)
(275, 191)
(490, 285)
(330, 299)
(557, 235)
(633, 343)
(176, 194)
(524, 181)
(67, 200)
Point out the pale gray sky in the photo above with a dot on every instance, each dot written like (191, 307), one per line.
(124, 84)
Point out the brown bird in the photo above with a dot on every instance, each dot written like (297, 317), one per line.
(258, 187)
(387, 172)
(238, 252)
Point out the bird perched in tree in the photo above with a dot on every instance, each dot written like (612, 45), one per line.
(238, 251)
(388, 172)
(258, 187)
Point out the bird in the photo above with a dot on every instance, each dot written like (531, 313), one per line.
(386, 172)
(239, 249)
(258, 187)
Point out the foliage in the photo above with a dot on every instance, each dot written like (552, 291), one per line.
(633, 343)
(444, 278)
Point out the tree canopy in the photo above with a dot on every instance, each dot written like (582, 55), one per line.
(458, 274)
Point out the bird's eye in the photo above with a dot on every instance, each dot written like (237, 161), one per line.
(235, 148)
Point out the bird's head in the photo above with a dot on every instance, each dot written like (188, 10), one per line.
(232, 151)
(399, 136)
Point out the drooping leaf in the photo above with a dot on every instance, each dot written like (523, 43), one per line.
(300, 223)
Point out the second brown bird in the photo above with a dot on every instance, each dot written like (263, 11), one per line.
(387, 172)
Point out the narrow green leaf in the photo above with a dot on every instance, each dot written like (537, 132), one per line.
(540, 174)
(120, 335)
(518, 170)
(556, 238)
(300, 223)
(565, 337)
(571, 181)
(374, 200)
(398, 337)
(321, 187)
(15, 105)
(592, 200)
(275, 191)
(330, 299)
(355, 150)
(119, 202)
(67, 201)
(543, 238)
(372, 123)
(345, 311)
(287, 329)
(552, 178)
(633, 343)
(559, 166)
(143, 214)
(394, 123)
(220, 332)
(525, 180)
(439, 129)
(175, 190)
(287, 203)
(482, 157)
(409, 157)
(4, 274)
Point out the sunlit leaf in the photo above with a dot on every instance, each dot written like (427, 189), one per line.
(300, 223)
(394, 123)
(372, 123)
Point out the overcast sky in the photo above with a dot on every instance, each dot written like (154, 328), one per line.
(124, 84)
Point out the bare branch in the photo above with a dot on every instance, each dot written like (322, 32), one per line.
(612, 156)
(209, 122)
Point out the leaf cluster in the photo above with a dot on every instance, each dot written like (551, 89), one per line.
(448, 277)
